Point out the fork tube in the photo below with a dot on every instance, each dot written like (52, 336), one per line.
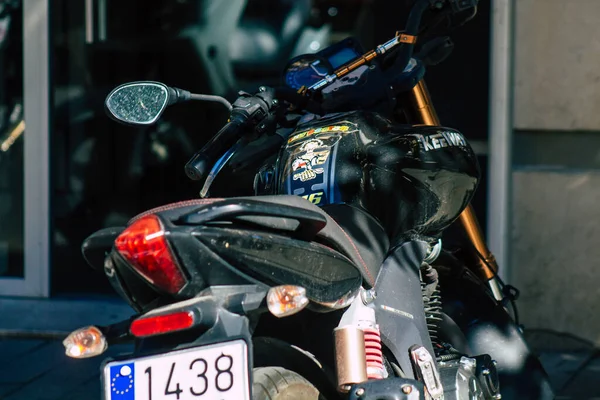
(422, 105)
(485, 265)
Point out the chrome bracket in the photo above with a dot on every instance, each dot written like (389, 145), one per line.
(426, 371)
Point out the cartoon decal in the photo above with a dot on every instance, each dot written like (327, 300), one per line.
(311, 154)
(310, 168)
(308, 174)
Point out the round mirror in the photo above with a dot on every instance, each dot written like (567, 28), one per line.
(138, 103)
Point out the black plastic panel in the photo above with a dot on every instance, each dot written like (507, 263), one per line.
(399, 303)
(324, 273)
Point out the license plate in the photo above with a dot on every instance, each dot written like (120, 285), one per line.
(218, 371)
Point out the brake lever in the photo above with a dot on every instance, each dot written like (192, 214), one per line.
(219, 166)
(249, 113)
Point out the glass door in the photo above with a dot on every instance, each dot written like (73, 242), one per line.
(24, 131)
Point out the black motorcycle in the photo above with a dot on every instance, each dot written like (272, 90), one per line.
(331, 282)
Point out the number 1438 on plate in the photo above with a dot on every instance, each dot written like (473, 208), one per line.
(218, 371)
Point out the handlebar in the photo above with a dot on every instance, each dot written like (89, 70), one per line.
(248, 111)
(406, 40)
(255, 111)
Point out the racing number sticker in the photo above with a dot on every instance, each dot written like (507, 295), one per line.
(314, 198)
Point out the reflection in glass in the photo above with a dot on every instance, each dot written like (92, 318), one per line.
(12, 129)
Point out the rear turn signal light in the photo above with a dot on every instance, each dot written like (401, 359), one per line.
(286, 300)
(144, 246)
(85, 342)
(161, 324)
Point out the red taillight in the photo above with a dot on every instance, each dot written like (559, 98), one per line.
(144, 246)
(149, 326)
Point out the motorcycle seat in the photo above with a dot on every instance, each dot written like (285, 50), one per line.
(343, 228)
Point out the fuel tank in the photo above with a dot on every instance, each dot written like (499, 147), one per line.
(413, 179)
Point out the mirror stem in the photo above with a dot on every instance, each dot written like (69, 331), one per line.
(177, 95)
(208, 97)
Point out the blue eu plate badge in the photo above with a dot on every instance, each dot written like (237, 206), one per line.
(122, 382)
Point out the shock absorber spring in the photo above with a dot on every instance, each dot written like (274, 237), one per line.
(432, 300)
(375, 368)
(361, 317)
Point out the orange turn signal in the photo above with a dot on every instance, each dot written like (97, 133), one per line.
(85, 342)
(286, 300)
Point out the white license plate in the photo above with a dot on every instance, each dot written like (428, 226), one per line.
(218, 371)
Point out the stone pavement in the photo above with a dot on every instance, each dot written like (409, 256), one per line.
(37, 369)
(573, 364)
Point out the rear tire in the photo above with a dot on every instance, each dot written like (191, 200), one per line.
(276, 383)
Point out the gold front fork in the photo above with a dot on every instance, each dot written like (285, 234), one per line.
(485, 266)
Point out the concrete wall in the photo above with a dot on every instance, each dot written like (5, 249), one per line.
(557, 68)
(556, 182)
(556, 250)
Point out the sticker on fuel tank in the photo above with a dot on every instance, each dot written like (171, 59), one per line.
(440, 140)
(311, 155)
(316, 131)
(314, 198)
(310, 166)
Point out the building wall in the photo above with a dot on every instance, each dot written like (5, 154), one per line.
(556, 250)
(556, 186)
(557, 69)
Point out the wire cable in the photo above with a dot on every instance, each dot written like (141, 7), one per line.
(510, 292)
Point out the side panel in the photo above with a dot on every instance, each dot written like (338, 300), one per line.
(399, 303)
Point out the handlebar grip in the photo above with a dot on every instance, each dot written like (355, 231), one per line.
(199, 166)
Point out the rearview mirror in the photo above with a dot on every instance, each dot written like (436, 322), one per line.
(138, 103)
